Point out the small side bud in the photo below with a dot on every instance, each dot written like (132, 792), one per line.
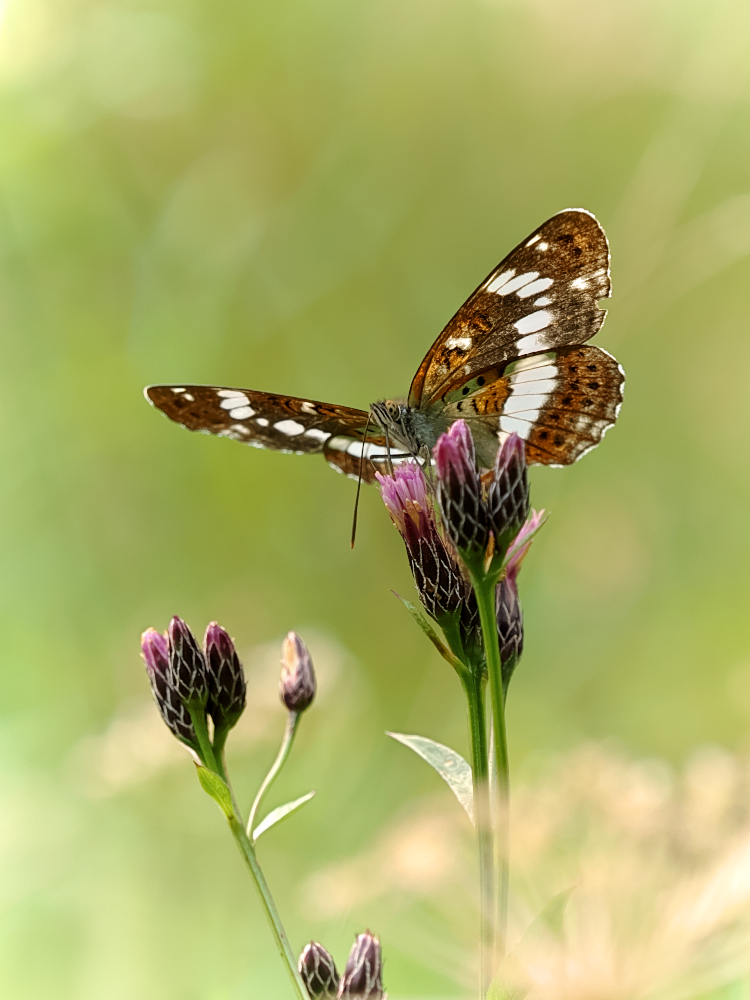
(509, 625)
(226, 679)
(460, 489)
(363, 976)
(155, 652)
(297, 686)
(318, 971)
(508, 494)
(187, 665)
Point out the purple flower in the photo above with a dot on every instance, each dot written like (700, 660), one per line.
(318, 971)
(508, 492)
(522, 542)
(440, 583)
(226, 679)
(155, 652)
(297, 686)
(363, 976)
(187, 665)
(460, 489)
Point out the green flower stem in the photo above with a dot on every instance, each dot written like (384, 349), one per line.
(286, 745)
(198, 716)
(282, 942)
(484, 588)
(473, 685)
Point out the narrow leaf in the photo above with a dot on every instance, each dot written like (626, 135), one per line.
(431, 634)
(550, 919)
(281, 812)
(451, 766)
(217, 789)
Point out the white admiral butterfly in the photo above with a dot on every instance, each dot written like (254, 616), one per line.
(513, 358)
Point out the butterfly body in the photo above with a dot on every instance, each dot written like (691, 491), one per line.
(513, 358)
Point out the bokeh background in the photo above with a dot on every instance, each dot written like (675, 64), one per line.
(295, 195)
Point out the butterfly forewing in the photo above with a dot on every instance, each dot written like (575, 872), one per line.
(260, 419)
(545, 294)
(279, 423)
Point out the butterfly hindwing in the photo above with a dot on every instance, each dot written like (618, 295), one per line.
(561, 402)
(545, 294)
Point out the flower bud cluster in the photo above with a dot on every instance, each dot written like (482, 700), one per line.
(190, 682)
(479, 518)
(362, 978)
(474, 511)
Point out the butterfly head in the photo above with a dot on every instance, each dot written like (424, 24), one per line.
(403, 426)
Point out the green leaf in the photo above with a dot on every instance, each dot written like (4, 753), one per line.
(217, 789)
(451, 766)
(546, 924)
(500, 991)
(281, 812)
(431, 634)
(550, 919)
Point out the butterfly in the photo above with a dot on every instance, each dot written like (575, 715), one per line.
(514, 358)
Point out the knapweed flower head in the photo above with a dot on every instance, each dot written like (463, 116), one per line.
(155, 652)
(226, 678)
(297, 685)
(478, 508)
(187, 664)
(186, 679)
(363, 976)
(318, 971)
(508, 499)
(522, 542)
(460, 489)
(440, 582)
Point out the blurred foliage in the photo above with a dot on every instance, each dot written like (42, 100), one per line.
(295, 195)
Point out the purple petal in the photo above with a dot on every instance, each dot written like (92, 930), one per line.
(155, 651)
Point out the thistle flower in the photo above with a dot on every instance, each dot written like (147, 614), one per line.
(297, 685)
(318, 971)
(226, 679)
(508, 492)
(440, 584)
(460, 490)
(522, 542)
(187, 665)
(155, 652)
(363, 976)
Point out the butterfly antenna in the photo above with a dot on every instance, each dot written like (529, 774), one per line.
(388, 451)
(359, 479)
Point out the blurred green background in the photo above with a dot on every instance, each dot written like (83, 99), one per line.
(295, 195)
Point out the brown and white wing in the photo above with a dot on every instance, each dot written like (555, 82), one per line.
(280, 423)
(561, 403)
(544, 295)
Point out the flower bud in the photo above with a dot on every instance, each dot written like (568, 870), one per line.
(508, 493)
(226, 679)
(318, 971)
(460, 489)
(509, 624)
(440, 584)
(155, 652)
(297, 685)
(187, 665)
(363, 976)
